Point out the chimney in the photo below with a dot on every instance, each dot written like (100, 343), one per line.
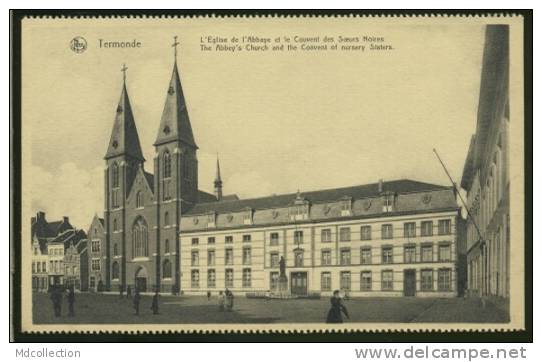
(40, 216)
(380, 186)
(66, 219)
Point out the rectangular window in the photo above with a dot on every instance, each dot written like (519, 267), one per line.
(92, 282)
(275, 260)
(274, 280)
(387, 280)
(387, 231)
(247, 238)
(444, 227)
(410, 254)
(427, 228)
(366, 280)
(409, 229)
(195, 258)
(298, 259)
(366, 255)
(344, 234)
(444, 252)
(325, 281)
(427, 253)
(95, 246)
(444, 279)
(387, 255)
(211, 257)
(228, 239)
(195, 241)
(326, 235)
(229, 278)
(247, 256)
(33, 267)
(211, 278)
(326, 257)
(298, 237)
(228, 257)
(426, 280)
(274, 238)
(211, 240)
(95, 265)
(247, 278)
(346, 281)
(194, 279)
(365, 232)
(345, 256)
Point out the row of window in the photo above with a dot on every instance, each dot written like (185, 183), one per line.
(228, 278)
(228, 257)
(39, 267)
(345, 233)
(444, 280)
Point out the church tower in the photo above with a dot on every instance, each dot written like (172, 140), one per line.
(218, 181)
(123, 158)
(175, 174)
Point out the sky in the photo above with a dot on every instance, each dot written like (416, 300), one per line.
(279, 122)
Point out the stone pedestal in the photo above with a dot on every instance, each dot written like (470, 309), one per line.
(283, 285)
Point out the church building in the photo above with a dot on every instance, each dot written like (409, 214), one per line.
(160, 231)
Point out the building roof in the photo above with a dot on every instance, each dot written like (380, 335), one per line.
(150, 179)
(124, 138)
(175, 123)
(320, 196)
(205, 197)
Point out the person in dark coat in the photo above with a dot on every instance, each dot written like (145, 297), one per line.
(56, 298)
(337, 309)
(129, 292)
(208, 295)
(154, 305)
(137, 299)
(121, 291)
(71, 302)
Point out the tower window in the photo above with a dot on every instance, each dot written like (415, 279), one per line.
(139, 199)
(166, 269)
(115, 175)
(166, 246)
(167, 165)
(140, 241)
(166, 218)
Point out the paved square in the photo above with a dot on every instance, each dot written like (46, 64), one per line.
(111, 309)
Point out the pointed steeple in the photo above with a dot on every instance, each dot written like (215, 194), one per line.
(218, 181)
(124, 138)
(175, 123)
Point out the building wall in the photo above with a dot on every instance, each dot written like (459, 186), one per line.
(96, 257)
(40, 264)
(312, 246)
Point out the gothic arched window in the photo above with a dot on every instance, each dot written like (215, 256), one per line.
(166, 218)
(166, 246)
(115, 271)
(140, 238)
(115, 175)
(115, 249)
(139, 199)
(167, 165)
(166, 269)
(115, 226)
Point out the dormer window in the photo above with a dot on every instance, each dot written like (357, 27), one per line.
(247, 216)
(346, 206)
(300, 209)
(388, 200)
(211, 220)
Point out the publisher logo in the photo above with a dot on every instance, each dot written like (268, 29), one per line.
(78, 44)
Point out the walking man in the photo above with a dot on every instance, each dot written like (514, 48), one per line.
(137, 299)
(154, 305)
(71, 302)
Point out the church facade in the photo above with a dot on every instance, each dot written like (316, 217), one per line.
(160, 231)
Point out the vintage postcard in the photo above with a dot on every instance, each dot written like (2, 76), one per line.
(272, 174)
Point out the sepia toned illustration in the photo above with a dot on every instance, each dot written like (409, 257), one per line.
(211, 174)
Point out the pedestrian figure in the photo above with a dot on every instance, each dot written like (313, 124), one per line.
(154, 305)
(337, 307)
(71, 302)
(221, 301)
(56, 298)
(229, 300)
(121, 291)
(129, 292)
(137, 299)
(208, 295)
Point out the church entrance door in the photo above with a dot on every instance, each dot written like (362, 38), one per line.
(141, 279)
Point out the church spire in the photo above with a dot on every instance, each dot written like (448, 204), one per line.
(218, 181)
(175, 123)
(124, 138)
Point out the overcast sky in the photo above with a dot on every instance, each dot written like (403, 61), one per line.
(280, 122)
